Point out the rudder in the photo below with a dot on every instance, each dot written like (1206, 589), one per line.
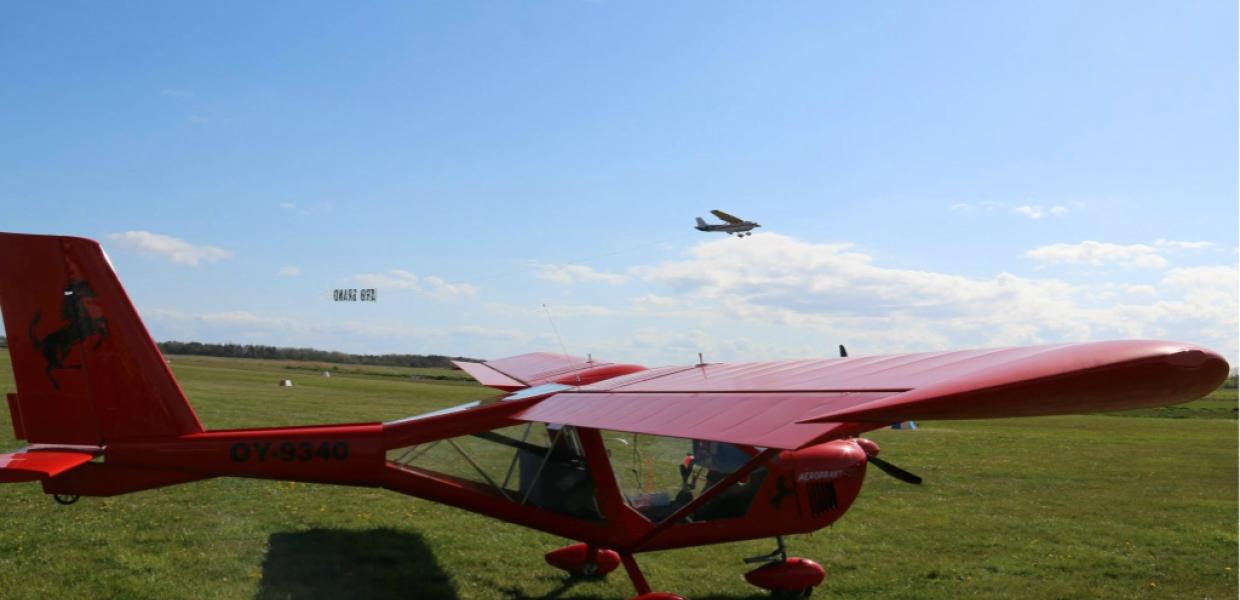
(87, 371)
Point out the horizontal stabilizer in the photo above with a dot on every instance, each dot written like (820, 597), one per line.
(34, 466)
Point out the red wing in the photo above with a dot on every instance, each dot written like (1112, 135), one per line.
(1058, 380)
(33, 466)
(489, 377)
(726, 217)
(791, 404)
(763, 419)
(536, 368)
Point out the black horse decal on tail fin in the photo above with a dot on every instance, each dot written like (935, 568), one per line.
(79, 325)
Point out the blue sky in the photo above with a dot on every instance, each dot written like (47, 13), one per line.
(929, 175)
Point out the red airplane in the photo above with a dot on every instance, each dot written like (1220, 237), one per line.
(772, 448)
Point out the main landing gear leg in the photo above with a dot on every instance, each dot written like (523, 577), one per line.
(635, 574)
(639, 581)
(780, 553)
(785, 577)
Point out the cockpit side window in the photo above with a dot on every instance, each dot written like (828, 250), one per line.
(534, 464)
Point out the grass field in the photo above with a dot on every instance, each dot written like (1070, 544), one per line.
(1143, 506)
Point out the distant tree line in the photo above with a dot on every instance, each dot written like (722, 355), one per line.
(257, 351)
(4, 342)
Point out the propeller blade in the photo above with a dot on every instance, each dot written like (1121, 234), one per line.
(895, 471)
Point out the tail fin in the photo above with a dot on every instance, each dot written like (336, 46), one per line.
(700, 222)
(87, 371)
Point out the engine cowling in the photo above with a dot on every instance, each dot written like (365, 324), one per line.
(827, 478)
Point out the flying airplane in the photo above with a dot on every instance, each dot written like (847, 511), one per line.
(731, 224)
(769, 448)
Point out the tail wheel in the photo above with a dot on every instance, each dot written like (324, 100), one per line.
(65, 499)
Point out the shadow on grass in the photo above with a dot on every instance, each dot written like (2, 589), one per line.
(337, 563)
(563, 585)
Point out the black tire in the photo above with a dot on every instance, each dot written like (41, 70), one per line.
(792, 594)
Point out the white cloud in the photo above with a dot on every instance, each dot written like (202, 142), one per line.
(570, 274)
(781, 272)
(1199, 279)
(779, 297)
(1095, 253)
(288, 272)
(394, 278)
(656, 301)
(1113, 292)
(1037, 211)
(1182, 245)
(177, 250)
(556, 310)
(429, 286)
(438, 288)
(243, 326)
(1033, 212)
(775, 286)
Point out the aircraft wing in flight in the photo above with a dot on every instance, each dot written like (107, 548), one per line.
(726, 217)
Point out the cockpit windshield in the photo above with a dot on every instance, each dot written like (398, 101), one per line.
(659, 475)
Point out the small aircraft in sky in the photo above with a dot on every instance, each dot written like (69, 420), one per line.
(755, 450)
(730, 224)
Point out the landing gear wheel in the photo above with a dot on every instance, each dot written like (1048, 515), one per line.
(792, 594)
(786, 577)
(65, 499)
(579, 561)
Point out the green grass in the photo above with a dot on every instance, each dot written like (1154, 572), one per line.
(1220, 404)
(1062, 507)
